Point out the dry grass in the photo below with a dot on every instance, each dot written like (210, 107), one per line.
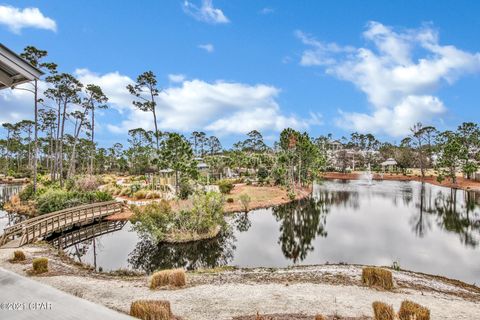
(174, 278)
(40, 265)
(383, 311)
(411, 310)
(18, 256)
(377, 277)
(320, 317)
(151, 310)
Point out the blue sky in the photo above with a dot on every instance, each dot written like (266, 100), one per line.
(230, 66)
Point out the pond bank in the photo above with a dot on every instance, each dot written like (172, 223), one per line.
(462, 183)
(228, 292)
(260, 197)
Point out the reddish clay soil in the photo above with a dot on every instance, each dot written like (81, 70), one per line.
(461, 183)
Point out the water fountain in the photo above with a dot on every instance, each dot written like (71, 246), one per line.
(367, 176)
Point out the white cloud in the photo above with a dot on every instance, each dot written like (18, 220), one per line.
(267, 10)
(206, 12)
(176, 77)
(207, 47)
(17, 19)
(220, 107)
(399, 86)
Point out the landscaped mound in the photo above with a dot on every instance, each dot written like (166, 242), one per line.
(159, 222)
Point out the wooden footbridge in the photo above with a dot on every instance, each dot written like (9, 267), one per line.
(38, 228)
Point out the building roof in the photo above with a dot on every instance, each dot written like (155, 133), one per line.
(389, 162)
(14, 70)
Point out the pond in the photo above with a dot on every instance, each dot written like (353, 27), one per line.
(422, 227)
(6, 192)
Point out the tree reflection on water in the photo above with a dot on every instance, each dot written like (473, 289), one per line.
(302, 221)
(150, 256)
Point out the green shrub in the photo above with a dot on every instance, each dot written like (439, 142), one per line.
(140, 194)
(40, 265)
(245, 201)
(185, 189)
(262, 174)
(225, 186)
(27, 193)
(57, 199)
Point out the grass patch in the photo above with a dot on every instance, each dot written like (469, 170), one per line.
(174, 278)
(411, 310)
(18, 256)
(40, 265)
(151, 310)
(377, 277)
(383, 311)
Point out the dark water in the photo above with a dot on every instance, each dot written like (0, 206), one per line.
(422, 227)
(7, 191)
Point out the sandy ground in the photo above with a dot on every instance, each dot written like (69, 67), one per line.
(325, 289)
(462, 183)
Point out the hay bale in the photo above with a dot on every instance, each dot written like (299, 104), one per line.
(18, 255)
(177, 278)
(383, 311)
(151, 310)
(40, 265)
(377, 277)
(411, 310)
(174, 278)
(320, 317)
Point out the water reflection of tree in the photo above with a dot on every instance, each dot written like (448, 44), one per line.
(302, 221)
(242, 222)
(460, 217)
(455, 211)
(150, 256)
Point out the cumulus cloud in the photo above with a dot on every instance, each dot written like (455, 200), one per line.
(221, 107)
(206, 12)
(176, 78)
(17, 19)
(207, 47)
(399, 72)
(266, 10)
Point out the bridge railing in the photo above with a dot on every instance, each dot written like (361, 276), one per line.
(39, 226)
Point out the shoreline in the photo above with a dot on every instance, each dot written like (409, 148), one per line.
(462, 183)
(226, 292)
(279, 197)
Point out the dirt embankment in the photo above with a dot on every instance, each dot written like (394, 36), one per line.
(300, 292)
(260, 197)
(461, 183)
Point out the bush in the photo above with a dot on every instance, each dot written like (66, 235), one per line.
(262, 174)
(225, 186)
(40, 265)
(140, 194)
(230, 200)
(151, 310)
(185, 189)
(57, 199)
(382, 311)
(378, 277)
(174, 278)
(245, 201)
(27, 193)
(86, 183)
(411, 310)
(18, 256)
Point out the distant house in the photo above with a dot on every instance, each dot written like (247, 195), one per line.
(389, 165)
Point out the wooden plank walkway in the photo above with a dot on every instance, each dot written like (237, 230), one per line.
(38, 228)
